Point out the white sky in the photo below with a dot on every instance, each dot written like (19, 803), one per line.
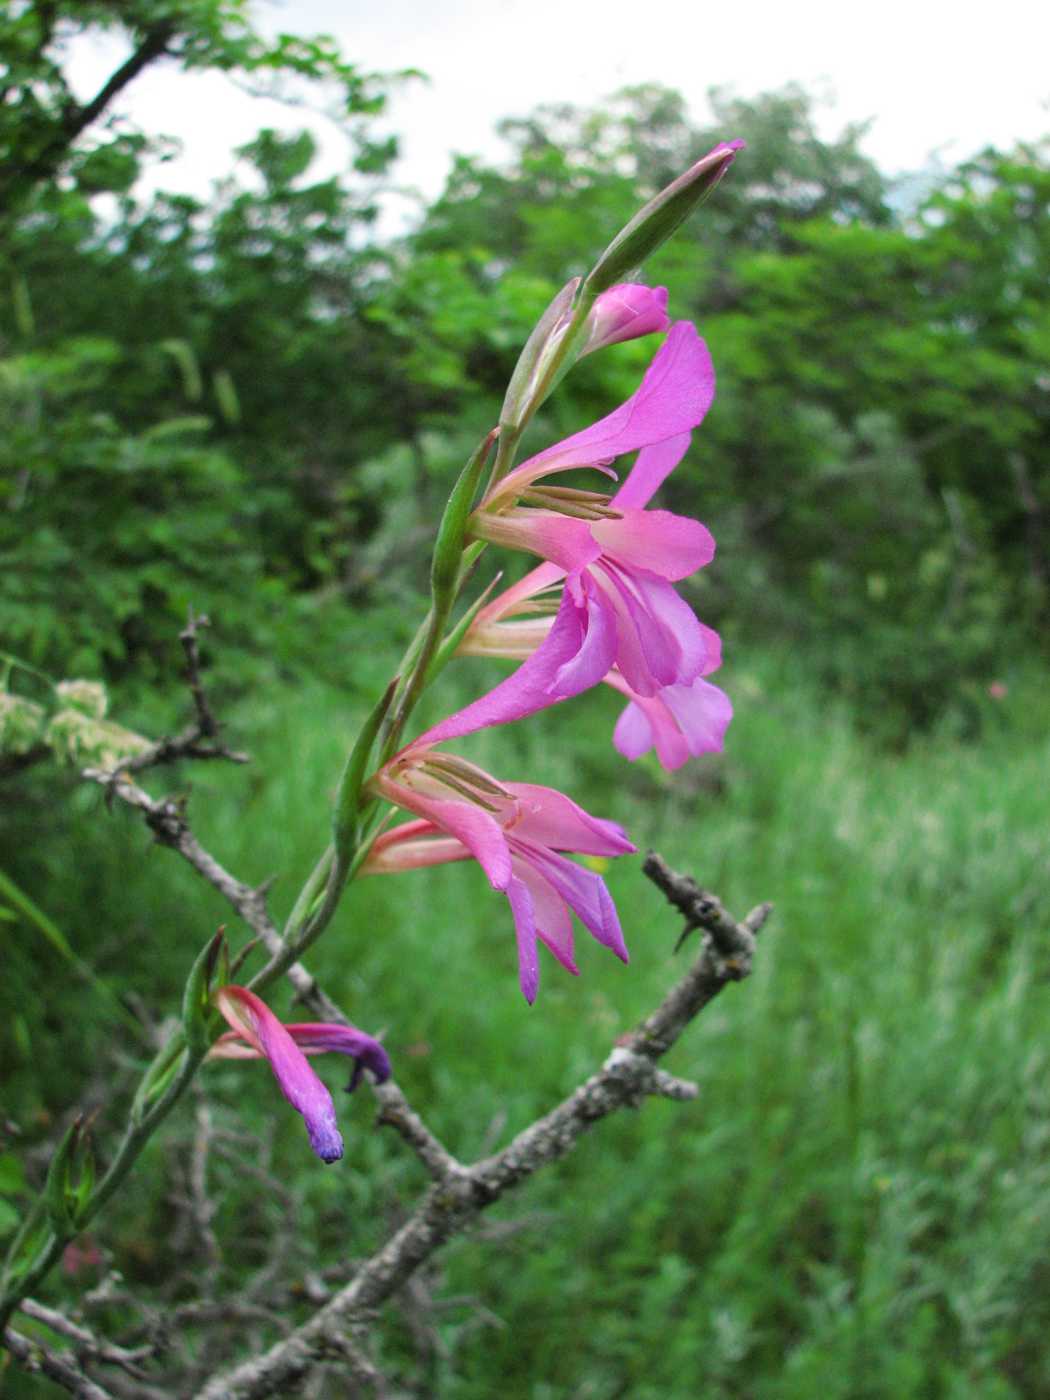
(936, 77)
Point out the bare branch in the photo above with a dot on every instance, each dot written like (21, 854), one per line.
(190, 743)
(460, 1193)
(35, 1357)
(88, 1346)
(396, 1112)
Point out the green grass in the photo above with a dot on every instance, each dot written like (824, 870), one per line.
(857, 1204)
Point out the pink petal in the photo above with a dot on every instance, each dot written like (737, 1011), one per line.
(410, 846)
(682, 721)
(673, 397)
(633, 734)
(703, 713)
(529, 688)
(549, 818)
(551, 915)
(536, 581)
(658, 637)
(525, 928)
(651, 468)
(625, 312)
(563, 539)
(671, 546)
(597, 649)
(712, 649)
(583, 891)
(475, 828)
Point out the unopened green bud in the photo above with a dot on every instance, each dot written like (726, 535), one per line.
(535, 357)
(348, 797)
(196, 998)
(60, 1192)
(655, 223)
(452, 532)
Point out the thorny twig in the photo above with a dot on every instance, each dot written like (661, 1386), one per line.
(199, 739)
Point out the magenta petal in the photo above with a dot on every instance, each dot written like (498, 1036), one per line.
(525, 928)
(681, 721)
(562, 539)
(547, 817)
(671, 546)
(319, 1037)
(550, 913)
(529, 689)
(597, 650)
(633, 734)
(703, 713)
(712, 649)
(251, 1017)
(651, 468)
(672, 616)
(625, 312)
(673, 397)
(585, 894)
(650, 630)
(537, 580)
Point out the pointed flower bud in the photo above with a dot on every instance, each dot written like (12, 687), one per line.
(196, 997)
(655, 223)
(70, 1179)
(535, 357)
(626, 312)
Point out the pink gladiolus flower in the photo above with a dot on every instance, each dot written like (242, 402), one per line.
(680, 721)
(516, 832)
(618, 560)
(257, 1033)
(626, 312)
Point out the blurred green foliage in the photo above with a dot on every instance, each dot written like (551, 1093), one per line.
(254, 399)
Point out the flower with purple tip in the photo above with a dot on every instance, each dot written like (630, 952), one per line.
(256, 1033)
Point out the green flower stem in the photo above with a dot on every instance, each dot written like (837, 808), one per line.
(136, 1136)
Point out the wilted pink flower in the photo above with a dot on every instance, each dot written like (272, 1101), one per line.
(257, 1033)
(516, 832)
(625, 312)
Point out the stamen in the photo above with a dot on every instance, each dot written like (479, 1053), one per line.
(579, 510)
(465, 779)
